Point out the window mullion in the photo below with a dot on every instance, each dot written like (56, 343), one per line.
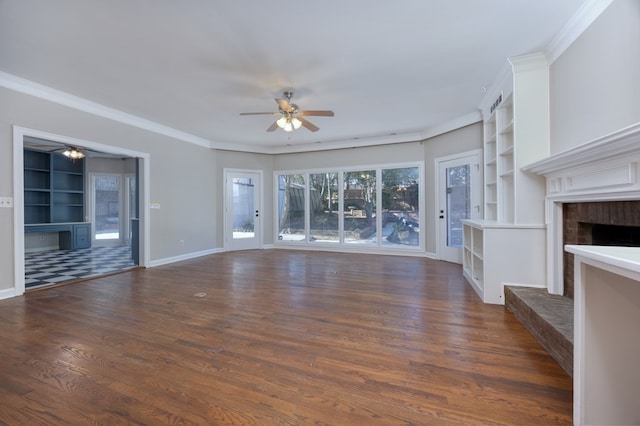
(379, 206)
(341, 206)
(307, 208)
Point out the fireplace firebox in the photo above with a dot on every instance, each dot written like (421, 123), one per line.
(607, 223)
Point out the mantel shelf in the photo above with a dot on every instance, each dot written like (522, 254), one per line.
(623, 142)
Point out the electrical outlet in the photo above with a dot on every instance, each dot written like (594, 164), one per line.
(6, 202)
(181, 243)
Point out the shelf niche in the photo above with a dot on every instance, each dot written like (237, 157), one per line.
(54, 188)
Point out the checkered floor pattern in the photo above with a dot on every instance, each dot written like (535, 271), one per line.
(57, 266)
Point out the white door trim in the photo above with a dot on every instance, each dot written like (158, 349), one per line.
(18, 194)
(91, 210)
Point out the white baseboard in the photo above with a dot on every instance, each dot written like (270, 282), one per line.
(353, 249)
(7, 293)
(180, 258)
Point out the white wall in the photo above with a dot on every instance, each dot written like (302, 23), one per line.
(595, 83)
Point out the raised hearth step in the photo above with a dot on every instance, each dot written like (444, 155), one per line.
(548, 317)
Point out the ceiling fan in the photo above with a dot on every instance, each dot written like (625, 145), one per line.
(69, 151)
(292, 117)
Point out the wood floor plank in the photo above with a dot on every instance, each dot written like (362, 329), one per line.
(275, 337)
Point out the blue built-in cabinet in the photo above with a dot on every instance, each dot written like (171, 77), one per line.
(54, 193)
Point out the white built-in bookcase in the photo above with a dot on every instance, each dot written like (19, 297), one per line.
(507, 247)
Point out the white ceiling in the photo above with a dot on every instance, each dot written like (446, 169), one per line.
(407, 68)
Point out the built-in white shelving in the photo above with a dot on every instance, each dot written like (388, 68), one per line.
(491, 258)
(516, 133)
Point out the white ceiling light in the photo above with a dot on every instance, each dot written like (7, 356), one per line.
(289, 124)
(73, 153)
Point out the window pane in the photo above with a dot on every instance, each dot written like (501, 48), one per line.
(360, 207)
(323, 196)
(458, 202)
(243, 208)
(400, 205)
(291, 208)
(133, 198)
(107, 197)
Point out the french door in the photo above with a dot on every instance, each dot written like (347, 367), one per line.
(459, 197)
(107, 208)
(242, 210)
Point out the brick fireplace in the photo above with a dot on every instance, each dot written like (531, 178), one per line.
(592, 198)
(598, 223)
(599, 183)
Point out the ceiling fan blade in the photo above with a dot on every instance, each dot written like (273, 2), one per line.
(273, 127)
(259, 113)
(308, 124)
(284, 105)
(317, 113)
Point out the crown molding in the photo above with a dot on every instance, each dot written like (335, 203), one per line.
(38, 90)
(41, 91)
(418, 136)
(531, 62)
(583, 18)
(502, 83)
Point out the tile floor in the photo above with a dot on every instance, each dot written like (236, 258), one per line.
(57, 266)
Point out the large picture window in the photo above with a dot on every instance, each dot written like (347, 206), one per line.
(324, 210)
(367, 207)
(400, 206)
(291, 207)
(360, 207)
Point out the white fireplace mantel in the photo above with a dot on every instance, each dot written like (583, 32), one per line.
(607, 279)
(614, 145)
(605, 169)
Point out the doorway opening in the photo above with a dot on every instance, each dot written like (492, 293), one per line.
(242, 219)
(54, 224)
(459, 186)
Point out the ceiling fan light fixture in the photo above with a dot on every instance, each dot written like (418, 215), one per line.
(73, 153)
(289, 113)
(289, 124)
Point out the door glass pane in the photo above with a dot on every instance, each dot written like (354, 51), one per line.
(133, 198)
(458, 202)
(323, 196)
(107, 207)
(400, 205)
(360, 207)
(291, 226)
(243, 208)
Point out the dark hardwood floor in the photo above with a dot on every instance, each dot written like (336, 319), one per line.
(274, 337)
